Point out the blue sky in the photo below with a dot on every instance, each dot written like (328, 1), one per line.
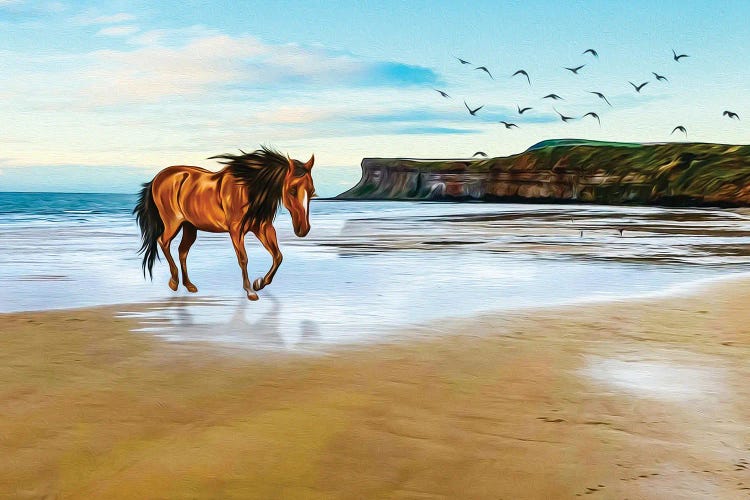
(136, 86)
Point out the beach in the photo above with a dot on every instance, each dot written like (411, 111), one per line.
(404, 350)
(622, 399)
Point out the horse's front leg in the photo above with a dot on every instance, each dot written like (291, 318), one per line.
(267, 236)
(238, 240)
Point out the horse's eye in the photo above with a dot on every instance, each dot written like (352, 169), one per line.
(293, 191)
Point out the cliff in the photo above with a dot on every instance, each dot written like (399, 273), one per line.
(570, 170)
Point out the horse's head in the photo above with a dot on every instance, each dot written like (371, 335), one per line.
(297, 191)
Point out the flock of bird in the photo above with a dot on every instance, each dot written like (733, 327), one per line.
(637, 87)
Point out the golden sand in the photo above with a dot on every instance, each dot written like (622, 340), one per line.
(640, 399)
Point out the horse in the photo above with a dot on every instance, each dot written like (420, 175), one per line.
(242, 197)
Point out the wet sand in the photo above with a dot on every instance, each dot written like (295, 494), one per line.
(639, 399)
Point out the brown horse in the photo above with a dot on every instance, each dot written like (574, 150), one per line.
(242, 197)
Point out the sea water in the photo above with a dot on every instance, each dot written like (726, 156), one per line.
(365, 269)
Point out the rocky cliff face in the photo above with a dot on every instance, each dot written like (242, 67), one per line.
(570, 170)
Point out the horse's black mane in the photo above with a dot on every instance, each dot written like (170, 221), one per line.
(262, 173)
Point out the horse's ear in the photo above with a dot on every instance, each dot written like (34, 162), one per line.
(291, 163)
(310, 162)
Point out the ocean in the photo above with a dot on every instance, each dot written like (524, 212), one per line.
(366, 268)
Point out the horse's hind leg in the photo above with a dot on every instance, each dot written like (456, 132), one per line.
(189, 234)
(165, 240)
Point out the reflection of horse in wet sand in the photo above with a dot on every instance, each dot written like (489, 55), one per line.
(242, 197)
(265, 330)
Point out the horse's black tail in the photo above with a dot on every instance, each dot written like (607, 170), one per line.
(147, 215)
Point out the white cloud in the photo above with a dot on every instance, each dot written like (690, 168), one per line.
(295, 114)
(123, 30)
(172, 37)
(163, 65)
(176, 96)
(88, 18)
(54, 7)
(149, 73)
(29, 10)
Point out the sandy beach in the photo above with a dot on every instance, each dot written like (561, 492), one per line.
(638, 399)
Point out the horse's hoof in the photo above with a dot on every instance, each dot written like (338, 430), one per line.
(173, 284)
(258, 284)
(191, 288)
(252, 296)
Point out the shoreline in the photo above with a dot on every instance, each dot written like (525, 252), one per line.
(678, 290)
(644, 399)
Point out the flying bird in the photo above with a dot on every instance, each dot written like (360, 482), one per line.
(479, 153)
(601, 96)
(593, 115)
(509, 125)
(462, 61)
(676, 57)
(564, 118)
(522, 72)
(442, 93)
(483, 68)
(659, 77)
(730, 114)
(522, 110)
(592, 52)
(552, 96)
(681, 129)
(473, 112)
(638, 87)
(576, 69)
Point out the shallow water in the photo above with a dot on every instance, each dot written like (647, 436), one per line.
(364, 268)
(657, 376)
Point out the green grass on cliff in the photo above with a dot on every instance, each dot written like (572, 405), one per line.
(582, 142)
(694, 162)
(612, 158)
(689, 170)
(616, 172)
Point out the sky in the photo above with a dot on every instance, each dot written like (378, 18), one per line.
(99, 96)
